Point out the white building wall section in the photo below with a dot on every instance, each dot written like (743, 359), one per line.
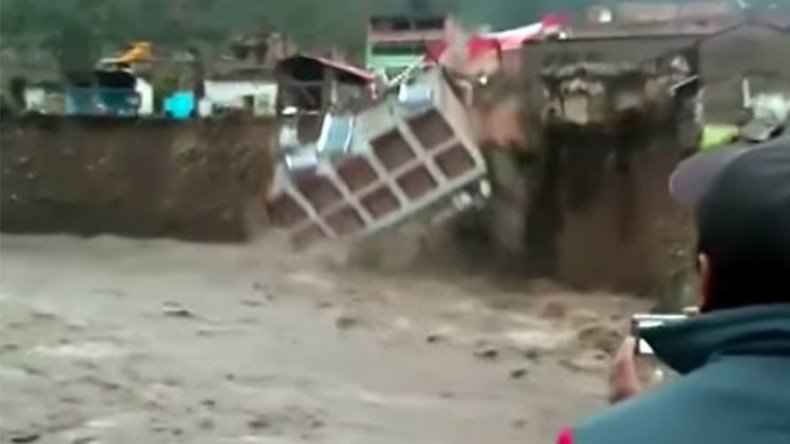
(232, 93)
(146, 92)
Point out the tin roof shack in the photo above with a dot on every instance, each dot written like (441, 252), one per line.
(309, 87)
(742, 61)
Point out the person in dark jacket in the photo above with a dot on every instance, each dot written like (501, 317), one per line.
(734, 357)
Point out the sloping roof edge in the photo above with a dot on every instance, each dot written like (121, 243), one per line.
(360, 74)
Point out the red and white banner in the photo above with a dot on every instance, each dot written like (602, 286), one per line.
(501, 41)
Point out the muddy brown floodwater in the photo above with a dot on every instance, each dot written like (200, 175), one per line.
(110, 340)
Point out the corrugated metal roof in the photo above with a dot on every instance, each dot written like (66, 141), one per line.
(362, 73)
(354, 72)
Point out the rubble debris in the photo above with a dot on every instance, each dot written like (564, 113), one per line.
(518, 373)
(264, 289)
(555, 310)
(345, 322)
(110, 292)
(519, 423)
(489, 353)
(9, 347)
(43, 315)
(252, 303)
(208, 403)
(434, 338)
(24, 439)
(323, 305)
(206, 423)
(176, 310)
(581, 316)
(600, 337)
(587, 361)
(70, 400)
(532, 354)
(257, 286)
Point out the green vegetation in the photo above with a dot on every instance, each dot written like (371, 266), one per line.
(76, 32)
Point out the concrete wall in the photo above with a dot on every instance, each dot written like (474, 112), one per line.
(231, 93)
(202, 180)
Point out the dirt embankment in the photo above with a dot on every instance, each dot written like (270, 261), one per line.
(590, 208)
(200, 180)
(618, 226)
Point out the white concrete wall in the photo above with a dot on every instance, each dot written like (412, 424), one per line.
(35, 98)
(146, 92)
(231, 93)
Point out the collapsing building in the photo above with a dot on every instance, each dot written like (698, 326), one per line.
(411, 150)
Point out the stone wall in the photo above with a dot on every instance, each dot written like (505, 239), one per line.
(199, 180)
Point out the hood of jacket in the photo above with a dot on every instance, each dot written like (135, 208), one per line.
(688, 345)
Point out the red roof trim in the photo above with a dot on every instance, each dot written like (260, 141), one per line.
(356, 71)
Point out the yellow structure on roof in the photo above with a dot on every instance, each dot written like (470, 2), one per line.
(138, 52)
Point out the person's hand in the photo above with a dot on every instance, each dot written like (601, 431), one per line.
(625, 381)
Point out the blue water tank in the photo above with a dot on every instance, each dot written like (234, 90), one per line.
(180, 105)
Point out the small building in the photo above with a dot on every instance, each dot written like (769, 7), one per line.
(309, 87)
(397, 42)
(314, 84)
(145, 91)
(110, 92)
(243, 88)
(43, 98)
